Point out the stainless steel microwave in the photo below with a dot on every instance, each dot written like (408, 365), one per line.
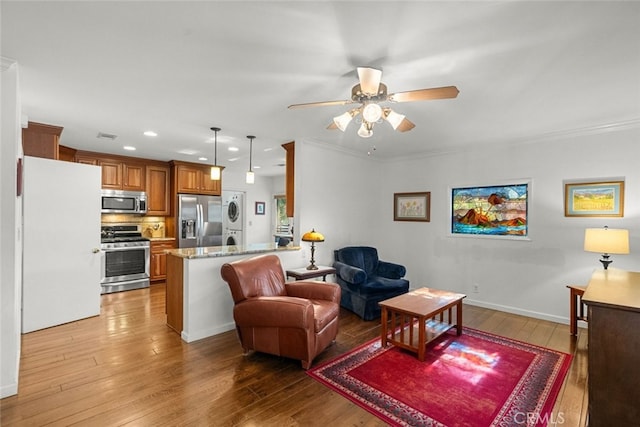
(118, 201)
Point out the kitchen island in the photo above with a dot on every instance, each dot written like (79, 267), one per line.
(198, 301)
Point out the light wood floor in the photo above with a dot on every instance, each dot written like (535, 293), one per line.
(125, 367)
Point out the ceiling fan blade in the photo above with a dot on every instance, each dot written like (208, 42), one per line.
(405, 125)
(424, 94)
(369, 80)
(320, 104)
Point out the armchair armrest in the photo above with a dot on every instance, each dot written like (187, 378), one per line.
(314, 290)
(350, 274)
(277, 312)
(391, 270)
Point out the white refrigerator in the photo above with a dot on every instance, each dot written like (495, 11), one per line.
(61, 246)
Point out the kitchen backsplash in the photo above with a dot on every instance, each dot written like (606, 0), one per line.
(150, 226)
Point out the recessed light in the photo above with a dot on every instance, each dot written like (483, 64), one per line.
(129, 148)
(256, 167)
(150, 133)
(233, 148)
(202, 158)
(268, 149)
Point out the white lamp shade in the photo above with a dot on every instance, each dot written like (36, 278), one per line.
(606, 240)
(343, 120)
(372, 112)
(364, 131)
(251, 177)
(394, 118)
(215, 173)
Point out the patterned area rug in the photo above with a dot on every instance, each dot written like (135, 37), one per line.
(476, 379)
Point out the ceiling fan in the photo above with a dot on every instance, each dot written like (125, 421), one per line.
(369, 93)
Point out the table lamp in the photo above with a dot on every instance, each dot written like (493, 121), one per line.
(606, 241)
(312, 236)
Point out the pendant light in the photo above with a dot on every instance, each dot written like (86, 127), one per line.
(250, 175)
(216, 172)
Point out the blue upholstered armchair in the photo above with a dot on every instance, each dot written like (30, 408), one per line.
(365, 280)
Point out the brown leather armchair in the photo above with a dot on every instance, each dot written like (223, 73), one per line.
(296, 319)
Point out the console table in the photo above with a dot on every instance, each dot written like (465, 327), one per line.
(613, 300)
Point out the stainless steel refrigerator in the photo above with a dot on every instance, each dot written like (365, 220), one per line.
(199, 221)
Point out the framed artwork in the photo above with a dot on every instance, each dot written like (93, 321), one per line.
(411, 206)
(491, 211)
(259, 208)
(594, 199)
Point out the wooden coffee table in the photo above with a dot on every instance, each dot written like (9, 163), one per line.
(422, 309)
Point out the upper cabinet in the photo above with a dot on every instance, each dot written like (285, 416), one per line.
(194, 178)
(122, 175)
(40, 140)
(290, 148)
(158, 179)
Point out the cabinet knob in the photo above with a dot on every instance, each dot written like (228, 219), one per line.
(95, 250)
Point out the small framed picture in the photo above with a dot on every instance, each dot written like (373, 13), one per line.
(411, 206)
(259, 208)
(594, 199)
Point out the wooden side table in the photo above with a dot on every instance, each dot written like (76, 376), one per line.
(304, 274)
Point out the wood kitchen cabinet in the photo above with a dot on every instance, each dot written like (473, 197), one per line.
(86, 159)
(194, 178)
(118, 172)
(41, 140)
(157, 184)
(111, 174)
(119, 175)
(290, 148)
(158, 265)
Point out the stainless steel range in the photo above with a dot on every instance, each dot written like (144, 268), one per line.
(125, 257)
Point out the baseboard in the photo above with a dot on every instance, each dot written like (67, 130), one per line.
(8, 390)
(205, 333)
(514, 310)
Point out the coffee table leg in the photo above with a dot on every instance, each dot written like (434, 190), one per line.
(383, 328)
(459, 318)
(422, 338)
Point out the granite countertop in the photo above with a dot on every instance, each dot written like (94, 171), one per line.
(221, 251)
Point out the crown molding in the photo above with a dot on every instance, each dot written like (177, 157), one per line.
(6, 63)
(471, 146)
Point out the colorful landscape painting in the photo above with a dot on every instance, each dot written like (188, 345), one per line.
(499, 210)
(605, 199)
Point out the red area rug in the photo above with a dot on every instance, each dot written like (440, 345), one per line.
(476, 379)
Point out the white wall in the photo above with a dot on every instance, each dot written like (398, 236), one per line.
(352, 203)
(337, 194)
(10, 236)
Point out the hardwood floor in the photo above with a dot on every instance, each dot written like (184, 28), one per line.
(126, 367)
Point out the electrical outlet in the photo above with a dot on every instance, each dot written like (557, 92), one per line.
(476, 288)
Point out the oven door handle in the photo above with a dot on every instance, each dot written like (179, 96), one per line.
(128, 248)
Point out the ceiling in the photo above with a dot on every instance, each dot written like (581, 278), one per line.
(525, 69)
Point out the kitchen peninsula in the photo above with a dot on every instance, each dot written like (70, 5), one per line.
(199, 302)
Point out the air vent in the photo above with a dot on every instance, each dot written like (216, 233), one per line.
(102, 135)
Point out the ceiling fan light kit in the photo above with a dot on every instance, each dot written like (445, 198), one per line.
(369, 93)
